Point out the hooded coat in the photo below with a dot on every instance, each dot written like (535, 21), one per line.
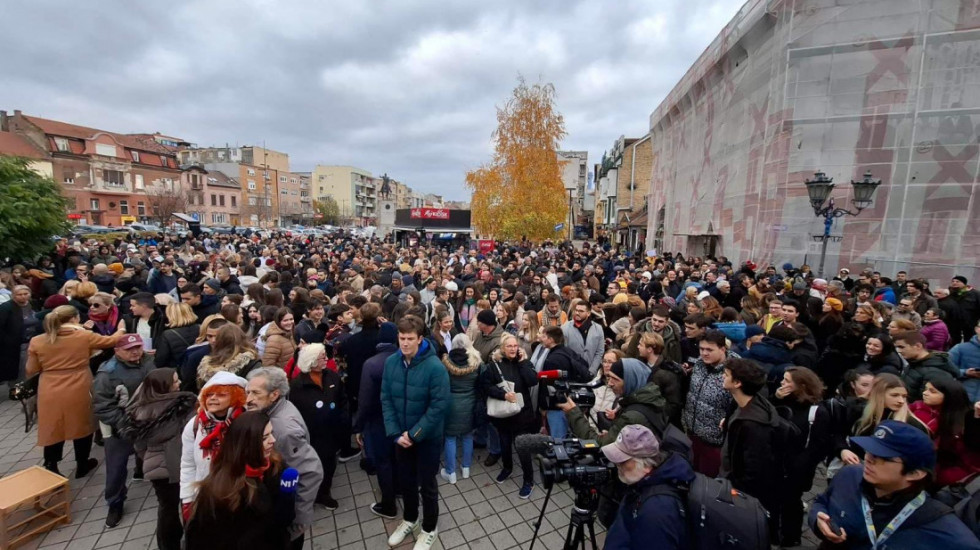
(923, 370)
(155, 429)
(463, 366)
(415, 395)
(631, 406)
(749, 455)
(279, 347)
(240, 365)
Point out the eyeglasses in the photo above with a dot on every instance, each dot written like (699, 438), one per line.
(94, 306)
(872, 459)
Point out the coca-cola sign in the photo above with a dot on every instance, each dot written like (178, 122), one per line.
(430, 213)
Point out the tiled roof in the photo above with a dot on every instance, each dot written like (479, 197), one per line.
(141, 142)
(15, 145)
(222, 180)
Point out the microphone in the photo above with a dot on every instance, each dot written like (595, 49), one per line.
(552, 375)
(289, 481)
(532, 444)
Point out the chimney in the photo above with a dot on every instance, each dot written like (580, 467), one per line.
(4, 125)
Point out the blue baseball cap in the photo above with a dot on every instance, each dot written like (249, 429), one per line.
(894, 439)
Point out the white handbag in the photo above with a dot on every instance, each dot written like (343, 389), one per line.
(501, 408)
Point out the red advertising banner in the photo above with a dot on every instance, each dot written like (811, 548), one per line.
(430, 213)
(486, 246)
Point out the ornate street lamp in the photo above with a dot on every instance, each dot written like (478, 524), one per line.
(819, 190)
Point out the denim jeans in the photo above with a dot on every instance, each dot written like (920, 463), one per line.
(557, 424)
(117, 453)
(381, 451)
(451, 451)
(485, 433)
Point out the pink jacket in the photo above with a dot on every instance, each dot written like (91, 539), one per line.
(936, 335)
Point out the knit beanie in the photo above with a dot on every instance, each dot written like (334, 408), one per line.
(487, 318)
(960, 278)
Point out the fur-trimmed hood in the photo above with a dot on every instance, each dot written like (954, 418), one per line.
(206, 369)
(472, 363)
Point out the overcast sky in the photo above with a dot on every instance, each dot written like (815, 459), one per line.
(407, 87)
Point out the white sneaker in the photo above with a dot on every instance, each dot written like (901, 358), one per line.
(425, 539)
(403, 530)
(466, 473)
(451, 478)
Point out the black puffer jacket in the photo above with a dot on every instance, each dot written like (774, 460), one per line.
(172, 344)
(521, 373)
(155, 428)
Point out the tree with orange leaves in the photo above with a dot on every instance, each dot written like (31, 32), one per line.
(520, 192)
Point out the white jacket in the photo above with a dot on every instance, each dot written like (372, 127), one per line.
(194, 466)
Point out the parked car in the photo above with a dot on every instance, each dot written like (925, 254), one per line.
(139, 227)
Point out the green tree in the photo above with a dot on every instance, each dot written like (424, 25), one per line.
(32, 210)
(329, 209)
(520, 192)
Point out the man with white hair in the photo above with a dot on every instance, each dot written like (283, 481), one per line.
(268, 391)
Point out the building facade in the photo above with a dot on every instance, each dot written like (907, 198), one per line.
(574, 176)
(621, 196)
(109, 178)
(792, 87)
(213, 197)
(354, 189)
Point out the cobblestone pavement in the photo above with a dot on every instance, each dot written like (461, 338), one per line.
(475, 513)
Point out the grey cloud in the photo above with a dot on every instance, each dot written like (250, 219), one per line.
(403, 87)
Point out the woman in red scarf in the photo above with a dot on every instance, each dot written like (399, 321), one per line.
(946, 410)
(221, 401)
(241, 504)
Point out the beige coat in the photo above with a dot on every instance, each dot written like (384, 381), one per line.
(279, 347)
(64, 395)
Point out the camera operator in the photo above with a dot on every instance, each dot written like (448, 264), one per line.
(553, 354)
(640, 403)
(650, 516)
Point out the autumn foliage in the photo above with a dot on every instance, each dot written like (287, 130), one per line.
(520, 192)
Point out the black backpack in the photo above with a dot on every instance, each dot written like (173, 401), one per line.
(786, 437)
(965, 501)
(672, 438)
(718, 516)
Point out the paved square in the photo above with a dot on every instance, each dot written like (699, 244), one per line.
(475, 513)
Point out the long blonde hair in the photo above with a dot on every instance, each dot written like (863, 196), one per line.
(874, 411)
(58, 317)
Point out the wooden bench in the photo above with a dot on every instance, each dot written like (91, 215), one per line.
(32, 501)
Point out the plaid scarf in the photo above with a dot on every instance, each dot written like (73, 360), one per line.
(214, 430)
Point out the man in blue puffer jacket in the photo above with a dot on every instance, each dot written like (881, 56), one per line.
(886, 497)
(415, 398)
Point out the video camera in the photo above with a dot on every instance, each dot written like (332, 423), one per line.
(561, 389)
(580, 462)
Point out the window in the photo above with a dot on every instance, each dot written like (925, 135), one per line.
(214, 200)
(140, 208)
(105, 150)
(252, 201)
(69, 178)
(218, 217)
(251, 185)
(212, 180)
(195, 181)
(93, 204)
(251, 172)
(139, 181)
(62, 144)
(282, 179)
(234, 201)
(136, 156)
(113, 177)
(284, 192)
(124, 208)
(168, 184)
(164, 161)
(221, 200)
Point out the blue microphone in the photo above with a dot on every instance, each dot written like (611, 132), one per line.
(289, 481)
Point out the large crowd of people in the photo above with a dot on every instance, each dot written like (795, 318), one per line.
(240, 369)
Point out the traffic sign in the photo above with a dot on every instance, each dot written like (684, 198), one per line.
(559, 227)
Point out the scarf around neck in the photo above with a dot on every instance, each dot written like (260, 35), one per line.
(214, 430)
(257, 473)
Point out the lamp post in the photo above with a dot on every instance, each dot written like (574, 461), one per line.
(819, 189)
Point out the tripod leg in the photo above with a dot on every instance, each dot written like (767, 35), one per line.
(591, 535)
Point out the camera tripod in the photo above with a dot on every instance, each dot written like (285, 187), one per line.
(583, 516)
